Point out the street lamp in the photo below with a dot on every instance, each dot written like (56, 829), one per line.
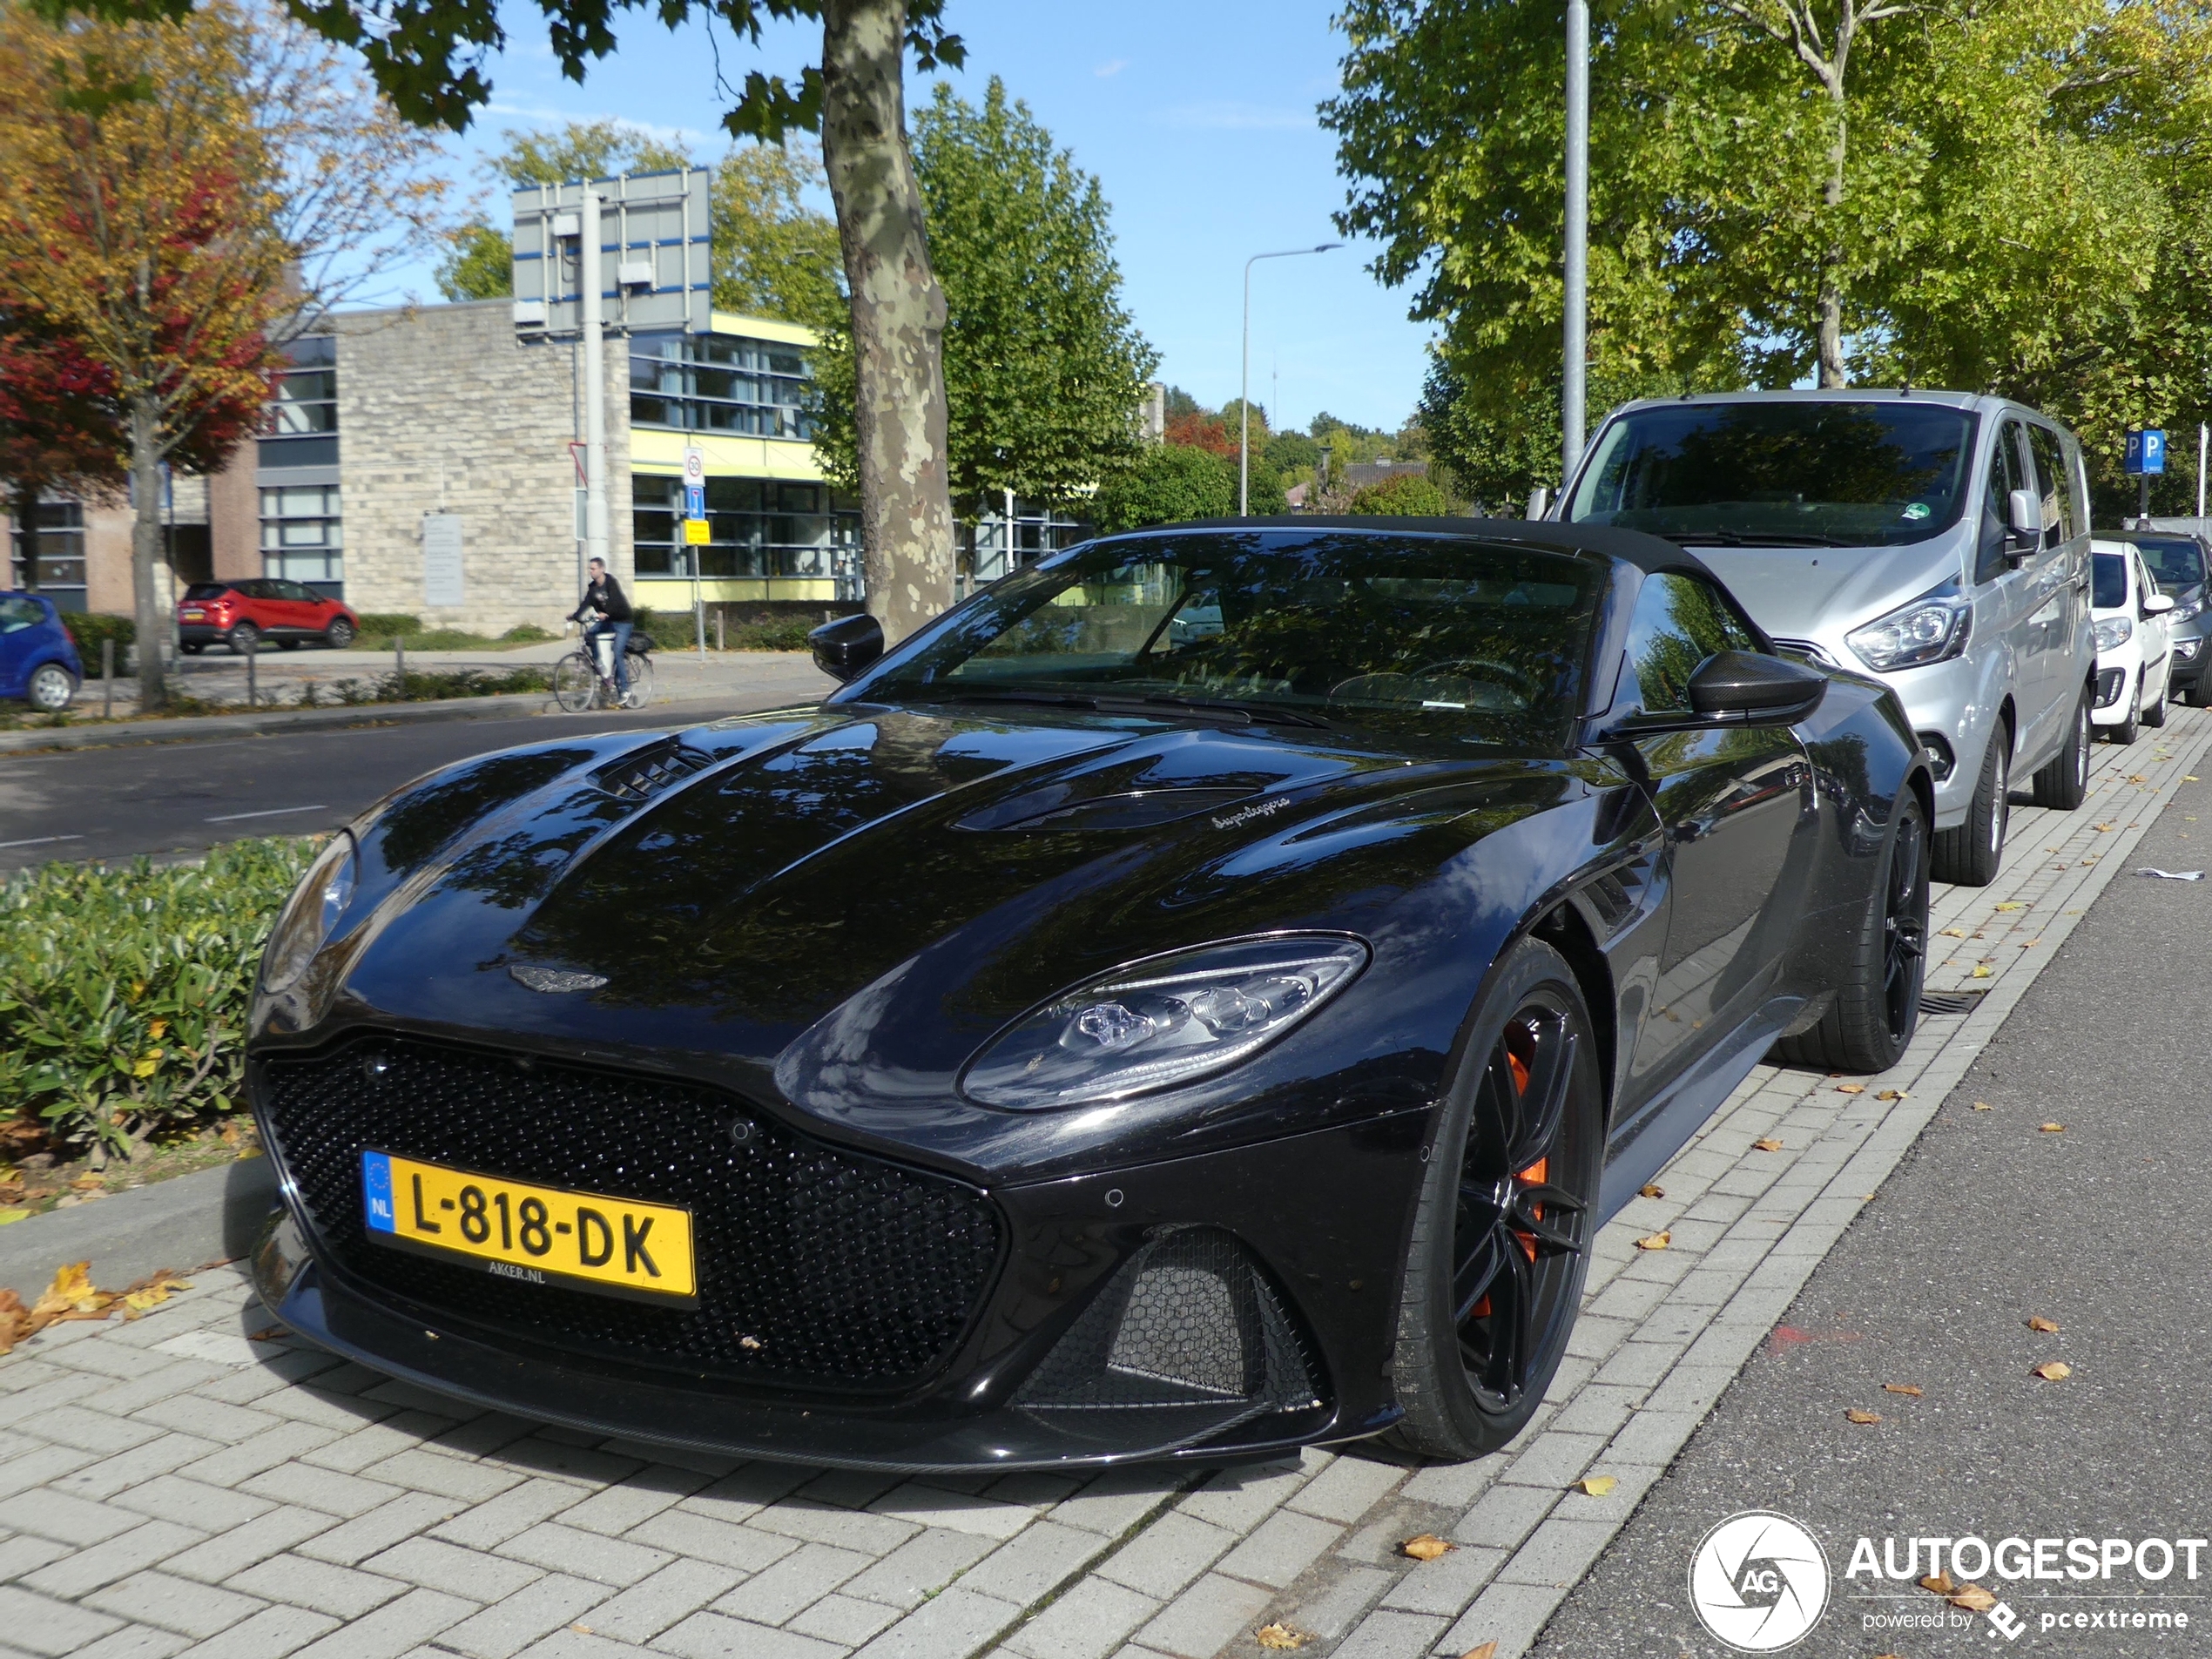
(1244, 415)
(1576, 296)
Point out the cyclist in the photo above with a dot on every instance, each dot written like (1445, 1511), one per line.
(609, 609)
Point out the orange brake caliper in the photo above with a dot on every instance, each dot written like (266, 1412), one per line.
(1535, 1173)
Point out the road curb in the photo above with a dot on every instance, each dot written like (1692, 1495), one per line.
(210, 1215)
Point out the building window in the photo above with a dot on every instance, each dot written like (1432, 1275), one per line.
(57, 542)
(713, 383)
(759, 527)
(306, 394)
(302, 535)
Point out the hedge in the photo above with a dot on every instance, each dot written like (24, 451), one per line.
(87, 628)
(385, 624)
(123, 990)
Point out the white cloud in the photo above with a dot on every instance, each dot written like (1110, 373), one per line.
(1112, 67)
(1233, 117)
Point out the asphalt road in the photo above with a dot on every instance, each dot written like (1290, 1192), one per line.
(168, 800)
(2104, 1227)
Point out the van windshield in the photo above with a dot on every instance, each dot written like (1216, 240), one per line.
(1782, 475)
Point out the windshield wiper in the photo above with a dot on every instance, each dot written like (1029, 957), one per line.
(1734, 538)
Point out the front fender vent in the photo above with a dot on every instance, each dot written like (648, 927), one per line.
(644, 773)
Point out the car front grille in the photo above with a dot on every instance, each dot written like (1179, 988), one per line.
(817, 1268)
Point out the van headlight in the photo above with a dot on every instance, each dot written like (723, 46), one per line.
(310, 914)
(2112, 632)
(1932, 629)
(1165, 1020)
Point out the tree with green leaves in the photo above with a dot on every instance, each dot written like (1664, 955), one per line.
(1173, 483)
(1043, 367)
(1407, 495)
(479, 263)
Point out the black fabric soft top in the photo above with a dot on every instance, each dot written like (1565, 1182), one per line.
(1648, 553)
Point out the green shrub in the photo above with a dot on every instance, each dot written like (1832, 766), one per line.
(1407, 493)
(768, 633)
(123, 990)
(388, 625)
(87, 628)
(527, 633)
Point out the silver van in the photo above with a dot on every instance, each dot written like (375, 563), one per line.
(1938, 541)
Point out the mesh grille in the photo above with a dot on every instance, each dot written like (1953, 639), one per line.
(636, 776)
(1190, 1320)
(844, 1272)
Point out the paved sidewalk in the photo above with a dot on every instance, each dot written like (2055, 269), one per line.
(175, 1484)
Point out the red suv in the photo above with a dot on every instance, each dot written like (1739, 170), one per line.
(238, 614)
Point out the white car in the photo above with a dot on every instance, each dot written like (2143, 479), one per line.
(2134, 647)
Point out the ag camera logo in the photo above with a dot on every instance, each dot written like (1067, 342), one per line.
(1759, 1581)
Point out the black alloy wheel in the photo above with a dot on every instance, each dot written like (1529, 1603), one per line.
(1508, 1213)
(1875, 1008)
(2063, 782)
(1905, 927)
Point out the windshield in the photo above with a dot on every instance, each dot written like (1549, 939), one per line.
(2177, 562)
(1463, 638)
(1782, 475)
(2108, 582)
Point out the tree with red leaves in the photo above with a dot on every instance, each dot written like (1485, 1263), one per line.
(57, 429)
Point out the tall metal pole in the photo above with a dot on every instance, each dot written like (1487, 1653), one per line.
(590, 276)
(1244, 391)
(1578, 230)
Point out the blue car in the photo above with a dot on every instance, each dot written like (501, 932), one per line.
(37, 658)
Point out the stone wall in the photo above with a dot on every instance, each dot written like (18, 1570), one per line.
(441, 409)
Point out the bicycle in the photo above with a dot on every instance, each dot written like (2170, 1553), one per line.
(581, 683)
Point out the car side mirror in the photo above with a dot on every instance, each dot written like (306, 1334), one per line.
(1756, 688)
(843, 648)
(2023, 524)
(2157, 604)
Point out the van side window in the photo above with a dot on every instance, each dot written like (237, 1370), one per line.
(1679, 621)
(1996, 512)
(2054, 482)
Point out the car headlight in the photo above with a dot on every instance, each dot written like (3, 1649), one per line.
(310, 914)
(2112, 632)
(1932, 629)
(2186, 609)
(1165, 1020)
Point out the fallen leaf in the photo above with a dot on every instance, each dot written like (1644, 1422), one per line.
(7, 1215)
(1487, 1650)
(2012, 904)
(2137, 778)
(1766, 1143)
(15, 1320)
(1973, 1598)
(1280, 1637)
(1657, 1241)
(1951, 932)
(72, 1296)
(2102, 829)
(2053, 1370)
(1653, 1191)
(88, 1183)
(1982, 970)
(1597, 1485)
(581, 1629)
(1857, 1416)
(1427, 1547)
(1938, 1582)
(1983, 1106)
(2189, 778)
(2052, 1129)
(1851, 1088)
(1890, 1094)
(1902, 1388)
(269, 1333)
(2038, 1323)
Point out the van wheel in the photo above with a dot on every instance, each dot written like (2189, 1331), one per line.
(2063, 781)
(1970, 854)
(2131, 728)
(1876, 1007)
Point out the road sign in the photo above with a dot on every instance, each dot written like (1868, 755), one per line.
(694, 466)
(2146, 453)
(695, 501)
(695, 532)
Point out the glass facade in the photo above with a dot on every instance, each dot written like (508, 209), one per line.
(760, 528)
(302, 526)
(303, 534)
(307, 395)
(717, 383)
(57, 542)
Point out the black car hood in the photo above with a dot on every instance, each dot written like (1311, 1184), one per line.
(841, 905)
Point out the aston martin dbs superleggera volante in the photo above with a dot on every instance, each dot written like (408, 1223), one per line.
(1200, 995)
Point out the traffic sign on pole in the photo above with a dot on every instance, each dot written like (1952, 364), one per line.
(695, 532)
(2146, 454)
(695, 501)
(694, 465)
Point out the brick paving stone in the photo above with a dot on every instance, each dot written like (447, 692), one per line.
(816, 1523)
(858, 1489)
(134, 1642)
(614, 1510)
(1447, 1584)
(843, 1619)
(519, 1618)
(1117, 1500)
(1168, 1555)
(959, 1511)
(1240, 1499)
(380, 1529)
(232, 1552)
(928, 1561)
(24, 1470)
(371, 1443)
(1089, 1620)
(744, 1493)
(1205, 1618)
(540, 1456)
(172, 1603)
(393, 1629)
(645, 1609)
(1280, 1547)
(1392, 1636)
(280, 1446)
(458, 1572)
(341, 1591)
(1555, 1460)
(270, 1634)
(160, 1393)
(209, 1419)
(952, 1626)
(710, 1636)
(564, 1549)
(346, 1495)
(1348, 1488)
(22, 1553)
(1337, 1603)
(193, 1503)
(90, 1431)
(1022, 1570)
(47, 1627)
(1509, 1615)
(803, 1577)
(578, 1644)
(1503, 1516)
(512, 1513)
(67, 1520)
(114, 1558)
(449, 1476)
(746, 1549)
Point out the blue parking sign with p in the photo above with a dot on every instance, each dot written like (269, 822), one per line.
(2146, 452)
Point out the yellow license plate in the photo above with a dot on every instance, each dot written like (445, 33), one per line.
(533, 1234)
(195, 616)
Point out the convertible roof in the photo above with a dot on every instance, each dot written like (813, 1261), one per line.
(1647, 553)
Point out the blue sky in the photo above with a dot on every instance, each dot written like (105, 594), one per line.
(1197, 118)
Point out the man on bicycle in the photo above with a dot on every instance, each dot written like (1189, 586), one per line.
(609, 609)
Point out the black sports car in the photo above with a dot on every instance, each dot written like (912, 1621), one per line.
(1200, 995)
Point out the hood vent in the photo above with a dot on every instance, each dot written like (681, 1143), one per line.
(644, 774)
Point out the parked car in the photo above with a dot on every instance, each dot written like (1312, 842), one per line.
(2177, 564)
(38, 660)
(1936, 539)
(2128, 617)
(1078, 1040)
(240, 614)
